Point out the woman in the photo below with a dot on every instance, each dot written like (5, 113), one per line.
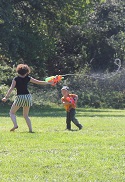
(24, 98)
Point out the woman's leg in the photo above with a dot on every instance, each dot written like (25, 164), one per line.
(13, 110)
(25, 115)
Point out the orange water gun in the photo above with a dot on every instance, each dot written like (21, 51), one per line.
(70, 100)
(54, 79)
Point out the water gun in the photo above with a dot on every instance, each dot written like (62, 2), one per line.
(70, 100)
(54, 79)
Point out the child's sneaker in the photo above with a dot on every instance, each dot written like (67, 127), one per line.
(68, 129)
(80, 127)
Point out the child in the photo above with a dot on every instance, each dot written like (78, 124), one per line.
(69, 101)
(24, 98)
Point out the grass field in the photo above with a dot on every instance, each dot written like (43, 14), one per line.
(51, 154)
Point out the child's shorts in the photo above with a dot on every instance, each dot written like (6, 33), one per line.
(23, 100)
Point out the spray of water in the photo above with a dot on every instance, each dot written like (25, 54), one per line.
(103, 76)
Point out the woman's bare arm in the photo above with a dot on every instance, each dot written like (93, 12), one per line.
(35, 81)
(13, 84)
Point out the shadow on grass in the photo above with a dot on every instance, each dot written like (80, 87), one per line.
(48, 111)
(37, 132)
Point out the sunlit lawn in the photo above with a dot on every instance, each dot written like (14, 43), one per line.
(51, 154)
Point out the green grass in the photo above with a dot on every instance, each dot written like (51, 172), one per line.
(51, 154)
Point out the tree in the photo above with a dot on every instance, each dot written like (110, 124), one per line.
(31, 29)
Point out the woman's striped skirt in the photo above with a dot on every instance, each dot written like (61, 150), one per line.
(23, 100)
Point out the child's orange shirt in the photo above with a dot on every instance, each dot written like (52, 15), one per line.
(71, 101)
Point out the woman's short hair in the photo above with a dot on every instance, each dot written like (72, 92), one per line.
(22, 69)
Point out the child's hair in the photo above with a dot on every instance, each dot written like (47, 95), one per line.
(23, 69)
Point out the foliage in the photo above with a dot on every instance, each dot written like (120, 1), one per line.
(108, 22)
(97, 41)
(60, 37)
(31, 30)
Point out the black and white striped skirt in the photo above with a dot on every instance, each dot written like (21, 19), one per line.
(23, 100)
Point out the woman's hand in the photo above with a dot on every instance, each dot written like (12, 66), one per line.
(4, 99)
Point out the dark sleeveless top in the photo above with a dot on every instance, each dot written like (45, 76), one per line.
(21, 84)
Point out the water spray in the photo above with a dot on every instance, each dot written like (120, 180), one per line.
(100, 76)
(56, 79)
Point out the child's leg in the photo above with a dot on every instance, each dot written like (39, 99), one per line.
(13, 110)
(74, 120)
(25, 115)
(68, 121)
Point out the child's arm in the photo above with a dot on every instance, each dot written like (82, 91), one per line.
(76, 98)
(66, 101)
(13, 84)
(63, 101)
(35, 81)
